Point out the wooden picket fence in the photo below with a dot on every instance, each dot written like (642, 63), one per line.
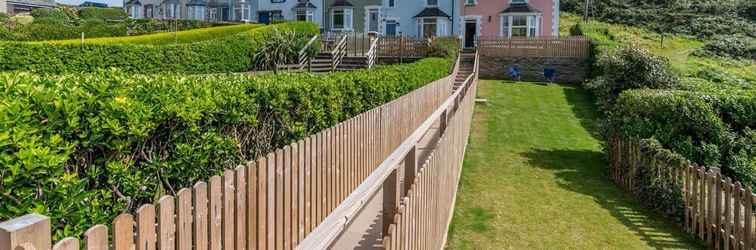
(422, 217)
(560, 47)
(274, 202)
(402, 47)
(717, 210)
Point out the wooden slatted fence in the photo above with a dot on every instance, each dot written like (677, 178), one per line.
(402, 47)
(716, 210)
(271, 203)
(560, 47)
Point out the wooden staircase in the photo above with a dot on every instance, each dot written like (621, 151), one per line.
(466, 67)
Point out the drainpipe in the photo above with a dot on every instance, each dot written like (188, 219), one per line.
(454, 6)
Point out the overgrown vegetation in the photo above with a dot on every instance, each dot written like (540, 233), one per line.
(166, 38)
(700, 106)
(226, 54)
(280, 48)
(69, 23)
(82, 148)
(701, 18)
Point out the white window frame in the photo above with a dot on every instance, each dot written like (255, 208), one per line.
(395, 20)
(135, 11)
(533, 23)
(308, 14)
(348, 19)
(421, 26)
(391, 3)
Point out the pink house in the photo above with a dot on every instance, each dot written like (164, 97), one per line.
(508, 18)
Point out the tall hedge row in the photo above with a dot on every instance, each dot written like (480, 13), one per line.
(227, 54)
(82, 148)
(166, 38)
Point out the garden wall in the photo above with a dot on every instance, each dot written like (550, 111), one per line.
(568, 70)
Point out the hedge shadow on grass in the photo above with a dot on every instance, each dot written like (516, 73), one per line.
(584, 172)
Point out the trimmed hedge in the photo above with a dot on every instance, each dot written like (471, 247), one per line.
(82, 148)
(227, 54)
(102, 13)
(166, 38)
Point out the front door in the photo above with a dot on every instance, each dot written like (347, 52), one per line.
(471, 30)
(373, 20)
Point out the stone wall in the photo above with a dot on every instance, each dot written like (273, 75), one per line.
(568, 70)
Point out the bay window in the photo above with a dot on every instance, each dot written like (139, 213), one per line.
(304, 15)
(519, 26)
(431, 27)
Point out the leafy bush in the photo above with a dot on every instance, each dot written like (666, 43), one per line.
(733, 46)
(630, 68)
(714, 130)
(102, 13)
(51, 13)
(149, 26)
(82, 148)
(228, 54)
(446, 47)
(188, 36)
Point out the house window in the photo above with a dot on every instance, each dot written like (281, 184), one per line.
(148, 11)
(469, 2)
(519, 26)
(519, 1)
(172, 11)
(197, 12)
(277, 1)
(429, 27)
(391, 3)
(304, 15)
(276, 15)
(392, 28)
(431, 2)
(341, 19)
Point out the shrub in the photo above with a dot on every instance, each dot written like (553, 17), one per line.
(51, 13)
(733, 46)
(84, 147)
(630, 68)
(102, 13)
(227, 54)
(446, 47)
(188, 36)
(149, 26)
(710, 129)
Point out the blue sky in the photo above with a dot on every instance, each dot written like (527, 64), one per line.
(112, 3)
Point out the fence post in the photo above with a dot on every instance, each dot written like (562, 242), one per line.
(28, 232)
(410, 169)
(390, 200)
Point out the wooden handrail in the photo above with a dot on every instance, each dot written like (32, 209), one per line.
(338, 52)
(337, 221)
(303, 57)
(372, 52)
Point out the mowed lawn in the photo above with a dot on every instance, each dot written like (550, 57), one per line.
(535, 177)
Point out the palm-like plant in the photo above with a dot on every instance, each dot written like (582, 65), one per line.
(279, 47)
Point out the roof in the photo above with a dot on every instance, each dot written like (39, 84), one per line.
(196, 3)
(133, 2)
(342, 3)
(520, 8)
(432, 12)
(305, 5)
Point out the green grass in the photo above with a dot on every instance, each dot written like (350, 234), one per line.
(534, 177)
(676, 48)
(186, 36)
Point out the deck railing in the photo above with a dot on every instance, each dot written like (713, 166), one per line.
(275, 202)
(570, 47)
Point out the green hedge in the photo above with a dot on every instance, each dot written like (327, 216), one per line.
(166, 38)
(712, 129)
(102, 13)
(227, 54)
(82, 148)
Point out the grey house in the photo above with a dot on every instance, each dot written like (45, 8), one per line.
(15, 7)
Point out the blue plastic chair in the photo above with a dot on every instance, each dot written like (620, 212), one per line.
(549, 74)
(514, 73)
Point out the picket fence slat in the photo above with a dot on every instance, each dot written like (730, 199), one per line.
(123, 232)
(146, 233)
(201, 216)
(68, 243)
(96, 237)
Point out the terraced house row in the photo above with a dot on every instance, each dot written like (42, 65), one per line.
(418, 18)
